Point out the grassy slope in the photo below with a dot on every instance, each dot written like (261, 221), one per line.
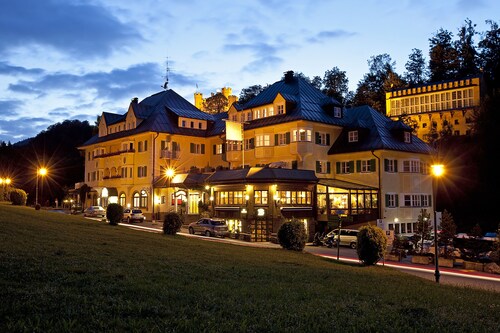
(66, 273)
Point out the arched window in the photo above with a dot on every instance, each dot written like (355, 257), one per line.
(121, 200)
(136, 199)
(144, 199)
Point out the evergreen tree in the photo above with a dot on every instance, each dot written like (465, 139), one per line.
(489, 54)
(416, 70)
(443, 62)
(466, 50)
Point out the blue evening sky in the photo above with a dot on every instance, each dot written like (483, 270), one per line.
(74, 59)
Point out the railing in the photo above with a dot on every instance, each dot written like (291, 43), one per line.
(115, 153)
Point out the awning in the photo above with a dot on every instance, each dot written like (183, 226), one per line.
(298, 212)
(112, 191)
(228, 209)
(344, 184)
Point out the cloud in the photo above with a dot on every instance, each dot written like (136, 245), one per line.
(78, 29)
(326, 35)
(22, 128)
(10, 108)
(6, 69)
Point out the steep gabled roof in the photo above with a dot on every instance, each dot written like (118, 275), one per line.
(305, 103)
(376, 132)
(160, 113)
(113, 118)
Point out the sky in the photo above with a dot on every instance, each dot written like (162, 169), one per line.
(74, 59)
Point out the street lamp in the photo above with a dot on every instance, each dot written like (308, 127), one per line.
(40, 172)
(5, 182)
(437, 171)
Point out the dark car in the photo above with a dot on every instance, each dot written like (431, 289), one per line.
(209, 227)
(133, 215)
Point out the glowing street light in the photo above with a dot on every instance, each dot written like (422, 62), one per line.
(40, 172)
(437, 171)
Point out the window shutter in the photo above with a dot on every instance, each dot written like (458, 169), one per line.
(386, 165)
(397, 200)
(191, 148)
(317, 137)
(252, 143)
(294, 165)
(287, 137)
(328, 167)
(275, 139)
(203, 148)
(327, 139)
(146, 145)
(223, 148)
(373, 167)
(214, 149)
(337, 167)
(351, 166)
(318, 166)
(358, 166)
(395, 165)
(387, 197)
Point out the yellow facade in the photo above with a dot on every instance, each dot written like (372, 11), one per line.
(225, 91)
(129, 167)
(434, 105)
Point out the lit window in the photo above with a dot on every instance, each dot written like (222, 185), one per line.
(353, 136)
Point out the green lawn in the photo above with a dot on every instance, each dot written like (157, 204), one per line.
(62, 273)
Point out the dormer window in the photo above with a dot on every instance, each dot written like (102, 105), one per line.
(407, 137)
(337, 112)
(353, 136)
(281, 109)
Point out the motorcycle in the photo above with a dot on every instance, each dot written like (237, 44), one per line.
(324, 239)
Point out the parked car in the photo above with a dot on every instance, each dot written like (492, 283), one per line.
(348, 237)
(209, 227)
(133, 215)
(94, 211)
(490, 236)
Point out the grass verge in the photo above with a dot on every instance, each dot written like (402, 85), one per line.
(62, 273)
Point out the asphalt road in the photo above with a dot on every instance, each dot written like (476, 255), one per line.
(454, 276)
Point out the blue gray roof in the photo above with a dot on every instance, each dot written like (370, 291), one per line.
(304, 102)
(160, 113)
(376, 131)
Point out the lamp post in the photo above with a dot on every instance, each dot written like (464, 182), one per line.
(437, 171)
(170, 173)
(40, 172)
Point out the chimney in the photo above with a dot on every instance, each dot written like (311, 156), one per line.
(135, 100)
(289, 77)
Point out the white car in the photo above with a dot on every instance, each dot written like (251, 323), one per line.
(133, 215)
(94, 211)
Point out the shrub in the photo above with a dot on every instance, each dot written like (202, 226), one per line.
(114, 213)
(292, 235)
(372, 244)
(37, 206)
(172, 223)
(18, 197)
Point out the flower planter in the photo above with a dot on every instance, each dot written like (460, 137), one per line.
(476, 266)
(392, 257)
(422, 260)
(445, 262)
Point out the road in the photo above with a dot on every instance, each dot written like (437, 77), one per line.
(454, 276)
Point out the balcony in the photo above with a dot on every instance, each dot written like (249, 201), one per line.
(119, 152)
(169, 154)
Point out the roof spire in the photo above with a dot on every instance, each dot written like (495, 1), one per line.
(167, 71)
